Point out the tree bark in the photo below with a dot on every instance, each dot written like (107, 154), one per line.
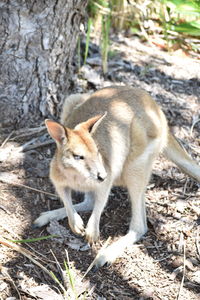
(37, 45)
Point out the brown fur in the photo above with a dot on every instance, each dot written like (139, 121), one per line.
(110, 137)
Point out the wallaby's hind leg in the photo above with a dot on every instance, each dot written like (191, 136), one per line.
(60, 213)
(136, 175)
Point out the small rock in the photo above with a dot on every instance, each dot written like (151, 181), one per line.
(49, 152)
(85, 247)
(40, 157)
(55, 228)
(196, 277)
(91, 75)
(177, 262)
(3, 286)
(94, 61)
(76, 244)
(177, 215)
(148, 294)
(180, 206)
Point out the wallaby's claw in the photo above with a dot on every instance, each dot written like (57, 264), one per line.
(77, 225)
(91, 236)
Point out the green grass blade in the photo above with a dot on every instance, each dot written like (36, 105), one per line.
(87, 39)
(71, 278)
(58, 282)
(105, 41)
(33, 239)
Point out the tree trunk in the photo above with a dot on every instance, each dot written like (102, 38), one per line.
(37, 45)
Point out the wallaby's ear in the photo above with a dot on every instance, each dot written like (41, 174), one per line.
(56, 130)
(92, 124)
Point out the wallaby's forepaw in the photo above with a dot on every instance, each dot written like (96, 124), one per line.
(76, 225)
(91, 234)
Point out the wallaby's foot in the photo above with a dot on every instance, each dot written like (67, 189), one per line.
(108, 255)
(48, 216)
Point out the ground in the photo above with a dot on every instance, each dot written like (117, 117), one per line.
(165, 264)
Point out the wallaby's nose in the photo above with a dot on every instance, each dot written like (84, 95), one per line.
(100, 177)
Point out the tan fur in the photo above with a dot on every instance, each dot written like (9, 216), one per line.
(70, 103)
(111, 137)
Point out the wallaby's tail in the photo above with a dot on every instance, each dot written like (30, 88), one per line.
(175, 152)
(70, 103)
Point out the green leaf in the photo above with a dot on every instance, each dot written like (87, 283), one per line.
(185, 7)
(190, 28)
(195, 24)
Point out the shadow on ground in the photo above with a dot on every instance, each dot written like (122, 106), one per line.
(132, 277)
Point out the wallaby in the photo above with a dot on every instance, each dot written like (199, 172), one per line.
(110, 137)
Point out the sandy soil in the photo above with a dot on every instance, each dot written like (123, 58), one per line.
(165, 264)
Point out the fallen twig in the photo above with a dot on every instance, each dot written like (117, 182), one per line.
(197, 245)
(183, 277)
(6, 274)
(163, 258)
(176, 272)
(27, 132)
(195, 148)
(6, 180)
(192, 127)
(26, 253)
(5, 141)
(4, 208)
(27, 244)
(37, 145)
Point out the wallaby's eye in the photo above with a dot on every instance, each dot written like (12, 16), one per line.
(77, 157)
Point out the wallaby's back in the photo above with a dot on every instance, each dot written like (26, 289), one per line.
(128, 109)
(122, 104)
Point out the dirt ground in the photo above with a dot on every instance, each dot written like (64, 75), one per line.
(165, 264)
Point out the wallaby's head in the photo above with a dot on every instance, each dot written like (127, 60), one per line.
(76, 148)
